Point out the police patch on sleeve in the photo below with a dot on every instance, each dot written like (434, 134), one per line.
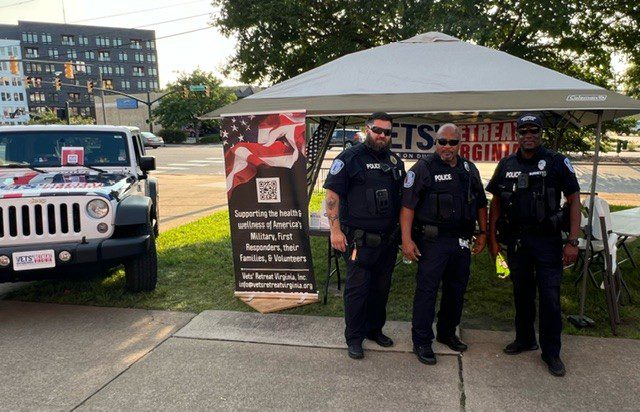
(336, 166)
(408, 181)
(568, 164)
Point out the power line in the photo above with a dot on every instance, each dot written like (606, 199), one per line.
(137, 11)
(16, 4)
(171, 21)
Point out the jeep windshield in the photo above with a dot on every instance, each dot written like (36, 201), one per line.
(44, 148)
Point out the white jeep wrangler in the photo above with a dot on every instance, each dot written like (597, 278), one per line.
(76, 197)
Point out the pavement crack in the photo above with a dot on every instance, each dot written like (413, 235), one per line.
(463, 395)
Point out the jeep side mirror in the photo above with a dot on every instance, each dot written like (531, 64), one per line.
(147, 163)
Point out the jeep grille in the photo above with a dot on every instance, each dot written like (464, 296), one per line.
(34, 220)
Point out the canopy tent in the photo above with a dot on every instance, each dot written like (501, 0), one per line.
(438, 78)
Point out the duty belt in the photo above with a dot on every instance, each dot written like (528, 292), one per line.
(433, 232)
(370, 239)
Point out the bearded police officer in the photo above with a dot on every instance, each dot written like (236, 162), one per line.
(363, 203)
(442, 199)
(526, 216)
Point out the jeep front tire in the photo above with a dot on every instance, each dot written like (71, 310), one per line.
(141, 272)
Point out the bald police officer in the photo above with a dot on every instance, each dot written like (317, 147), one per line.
(363, 203)
(442, 199)
(526, 216)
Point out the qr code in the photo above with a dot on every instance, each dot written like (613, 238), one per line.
(268, 189)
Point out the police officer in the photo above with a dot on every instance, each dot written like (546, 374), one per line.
(442, 199)
(363, 203)
(525, 215)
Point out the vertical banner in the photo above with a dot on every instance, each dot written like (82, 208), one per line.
(265, 163)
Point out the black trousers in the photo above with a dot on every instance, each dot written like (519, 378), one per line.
(444, 260)
(366, 290)
(535, 262)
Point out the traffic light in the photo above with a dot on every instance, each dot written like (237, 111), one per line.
(57, 83)
(207, 91)
(68, 70)
(185, 92)
(13, 65)
(90, 86)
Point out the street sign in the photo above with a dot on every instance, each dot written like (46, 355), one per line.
(126, 104)
(197, 87)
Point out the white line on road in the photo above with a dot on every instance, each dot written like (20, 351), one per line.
(215, 158)
(170, 168)
(187, 164)
(205, 161)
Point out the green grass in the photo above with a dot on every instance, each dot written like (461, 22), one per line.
(196, 273)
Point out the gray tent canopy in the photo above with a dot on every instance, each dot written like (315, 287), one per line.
(439, 77)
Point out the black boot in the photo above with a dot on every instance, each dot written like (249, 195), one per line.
(515, 347)
(381, 339)
(556, 367)
(454, 343)
(425, 354)
(355, 350)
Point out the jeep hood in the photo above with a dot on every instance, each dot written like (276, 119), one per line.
(62, 182)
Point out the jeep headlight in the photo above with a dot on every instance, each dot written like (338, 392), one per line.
(97, 208)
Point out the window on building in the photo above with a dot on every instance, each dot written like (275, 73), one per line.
(74, 97)
(107, 83)
(142, 85)
(90, 55)
(123, 56)
(151, 44)
(117, 41)
(139, 57)
(31, 52)
(83, 40)
(72, 54)
(153, 85)
(125, 84)
(138, 71)
(104, 56)
(85, 111)
(102, 41)
(88, 69)
(53, 53)
(32, 67)
(152, 71)
(49, 68)
(37, 97)
(5, 97)
(16, 81)
(151, 57)
(120, 70)
(68, 40)
(106, 69)
(135, 44)
(29, 37)
(46, 38)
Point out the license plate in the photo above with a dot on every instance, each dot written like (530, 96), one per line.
(36, 259)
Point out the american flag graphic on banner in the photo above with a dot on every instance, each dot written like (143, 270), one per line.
(253, 142)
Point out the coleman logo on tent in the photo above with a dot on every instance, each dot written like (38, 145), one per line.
(442, 178)
(512, 175)
(586, 97)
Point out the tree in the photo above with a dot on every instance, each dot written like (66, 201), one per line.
(279, 39)
(50, 117)
(176, 111)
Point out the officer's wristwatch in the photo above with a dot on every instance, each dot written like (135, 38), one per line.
(573, 242)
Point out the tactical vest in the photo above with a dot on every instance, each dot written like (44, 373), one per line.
(373, 197)
(530, 193)
(449, 200)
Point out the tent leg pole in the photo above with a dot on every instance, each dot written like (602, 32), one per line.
(582, 320)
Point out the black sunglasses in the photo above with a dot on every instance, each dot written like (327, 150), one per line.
(452, 142)
(532, 130)
(380, 130)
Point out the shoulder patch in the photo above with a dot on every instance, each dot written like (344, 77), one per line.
(393, 159)
(336, 166)
(569, 166)
(466, 166)
(410, 179)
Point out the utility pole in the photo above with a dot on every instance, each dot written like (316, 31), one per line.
(68, 108)
(149, 115)
(104, 109)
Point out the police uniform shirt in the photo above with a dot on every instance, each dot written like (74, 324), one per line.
(429, 178)
(363, 177)
(559, 172)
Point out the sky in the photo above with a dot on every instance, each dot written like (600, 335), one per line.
(206, 49)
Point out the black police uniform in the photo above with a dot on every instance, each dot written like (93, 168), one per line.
(445, 200)
(530, 225)
(369, 184)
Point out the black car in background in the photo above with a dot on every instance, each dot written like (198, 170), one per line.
(346, 137)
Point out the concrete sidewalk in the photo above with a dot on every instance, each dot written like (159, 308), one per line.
(68, 357)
